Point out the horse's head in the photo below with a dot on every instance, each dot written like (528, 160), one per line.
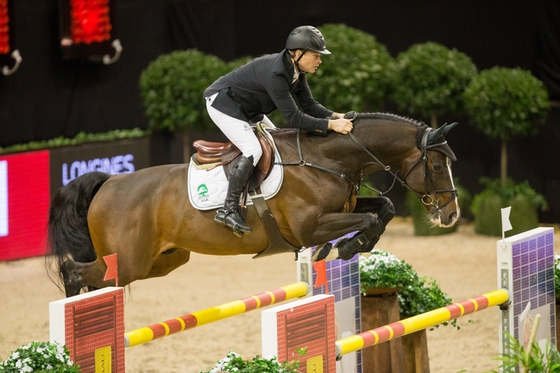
(429, 175)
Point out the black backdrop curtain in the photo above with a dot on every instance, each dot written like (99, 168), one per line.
(50, 97)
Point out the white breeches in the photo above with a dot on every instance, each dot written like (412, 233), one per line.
(237, 131)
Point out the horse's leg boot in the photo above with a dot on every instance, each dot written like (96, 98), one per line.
(229, 215)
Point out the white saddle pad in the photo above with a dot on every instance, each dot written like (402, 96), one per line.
(208, 186)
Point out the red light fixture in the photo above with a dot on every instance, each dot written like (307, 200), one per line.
(90, 22)
(4, 28)
(86, 31)
(7, 49)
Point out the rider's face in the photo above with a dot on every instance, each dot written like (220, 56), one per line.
(309, 62)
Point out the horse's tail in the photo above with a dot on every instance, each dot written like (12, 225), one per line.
(68, 233)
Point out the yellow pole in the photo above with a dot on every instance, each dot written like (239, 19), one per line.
(420, 322)
(209, 315)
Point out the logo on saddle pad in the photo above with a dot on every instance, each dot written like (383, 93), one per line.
(202, 190)
(208, 187)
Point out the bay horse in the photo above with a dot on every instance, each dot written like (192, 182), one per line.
(147, 219)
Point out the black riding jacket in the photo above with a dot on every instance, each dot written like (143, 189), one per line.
(265, 84)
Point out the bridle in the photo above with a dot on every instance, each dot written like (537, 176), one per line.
(426, 198)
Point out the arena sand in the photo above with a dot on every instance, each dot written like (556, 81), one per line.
(463, 263)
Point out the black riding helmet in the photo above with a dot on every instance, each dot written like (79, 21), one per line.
(307, 38)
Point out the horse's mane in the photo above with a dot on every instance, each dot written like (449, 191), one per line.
(388, 116)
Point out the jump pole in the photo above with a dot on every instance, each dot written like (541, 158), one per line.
(209, 315)
(416, 323)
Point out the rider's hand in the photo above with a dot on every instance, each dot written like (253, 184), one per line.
(336, 116)
(340, 125)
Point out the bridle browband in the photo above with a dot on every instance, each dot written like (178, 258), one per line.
(426, 198)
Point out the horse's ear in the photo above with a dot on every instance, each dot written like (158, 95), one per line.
(434, 136)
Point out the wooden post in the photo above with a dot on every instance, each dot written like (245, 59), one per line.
(379, 310)
(415, 347)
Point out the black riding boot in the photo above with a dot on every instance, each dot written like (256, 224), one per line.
(229, 215)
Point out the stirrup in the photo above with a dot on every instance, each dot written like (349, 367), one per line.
(228, 218)
(220, 217)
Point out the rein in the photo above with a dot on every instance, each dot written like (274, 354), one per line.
(303, 163)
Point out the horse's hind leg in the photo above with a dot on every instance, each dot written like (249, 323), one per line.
(78, 275)
(168, 261)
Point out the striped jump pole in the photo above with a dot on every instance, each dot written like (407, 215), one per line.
(419, 322)
(209, 315)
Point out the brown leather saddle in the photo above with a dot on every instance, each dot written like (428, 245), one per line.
(218, 154)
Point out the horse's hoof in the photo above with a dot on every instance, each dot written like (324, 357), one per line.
(321, 252)
(346, 248)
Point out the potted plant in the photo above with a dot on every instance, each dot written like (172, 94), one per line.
(539, 359)
(504, 103)
(233, 362)
(429, 79)
(40, 357)
(355, 76)
(392, 285)
(171, 88)
(416, 294)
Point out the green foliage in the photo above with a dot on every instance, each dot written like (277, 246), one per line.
(81, 138)
(524, 202)
(39, 357)
(533, 361)
(557, 276)
(421, 296)
(233, 362)
(355, 76)
(506, 102)
(416, 295)
(486, 207)
(172, 86)
(507, 194)
(383, 270)
(429, 79)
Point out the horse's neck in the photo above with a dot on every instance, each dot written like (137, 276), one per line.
(388, 140)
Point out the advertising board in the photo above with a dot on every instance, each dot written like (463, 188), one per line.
(24, 203)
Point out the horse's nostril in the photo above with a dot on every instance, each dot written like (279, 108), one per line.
(452, 216)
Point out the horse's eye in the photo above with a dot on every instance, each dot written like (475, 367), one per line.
(437, 167)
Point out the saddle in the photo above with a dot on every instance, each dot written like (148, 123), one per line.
(215, 154)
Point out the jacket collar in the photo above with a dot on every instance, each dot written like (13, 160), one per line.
(283, 66)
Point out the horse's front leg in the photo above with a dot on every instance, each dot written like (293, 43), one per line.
(369, 219)
(336, 225)
(383, 208)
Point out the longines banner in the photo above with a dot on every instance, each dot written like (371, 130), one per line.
(29, 180)
(117, 157)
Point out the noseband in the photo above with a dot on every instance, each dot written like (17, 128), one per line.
(426, 198)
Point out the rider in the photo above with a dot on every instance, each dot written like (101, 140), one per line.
(248, 93)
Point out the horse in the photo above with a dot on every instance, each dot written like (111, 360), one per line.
(146, 218)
